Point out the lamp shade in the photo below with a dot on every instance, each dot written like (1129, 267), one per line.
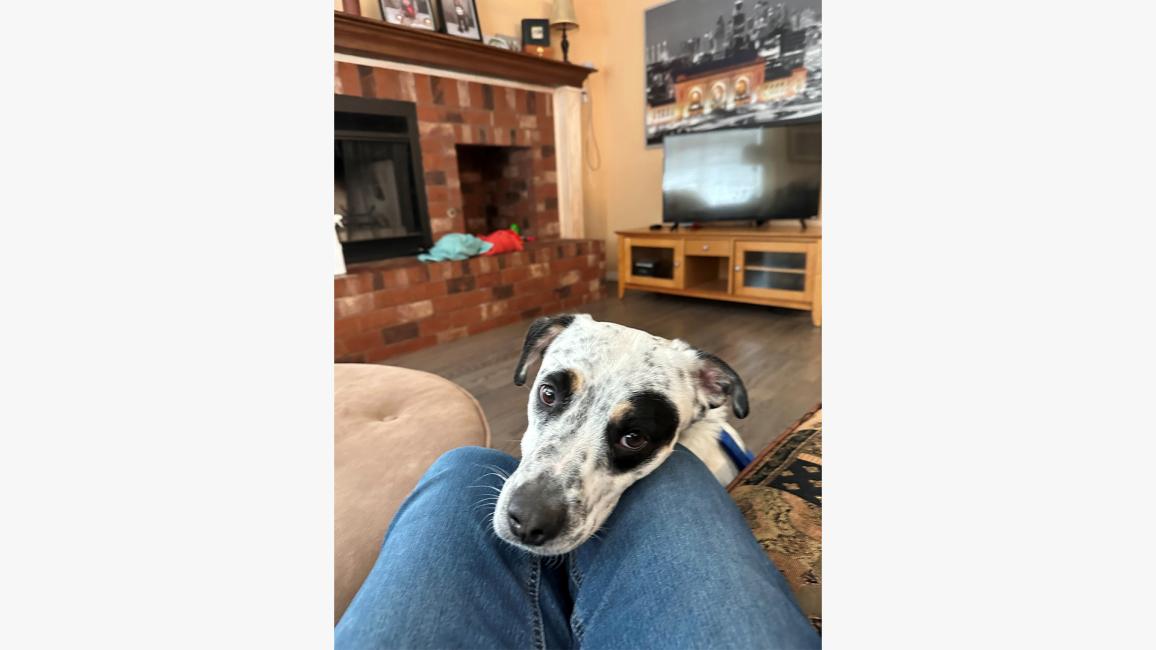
(562, 15)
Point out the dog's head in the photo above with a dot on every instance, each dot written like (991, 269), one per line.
(606, 409)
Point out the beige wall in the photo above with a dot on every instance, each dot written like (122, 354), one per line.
(626, 190)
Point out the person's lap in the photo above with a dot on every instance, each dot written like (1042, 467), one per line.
(675, 565)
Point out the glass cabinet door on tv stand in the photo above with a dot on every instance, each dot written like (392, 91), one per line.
(654, 262)
(778, 270)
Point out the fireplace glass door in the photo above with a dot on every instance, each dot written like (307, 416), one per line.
(378, 185)
(370, 190)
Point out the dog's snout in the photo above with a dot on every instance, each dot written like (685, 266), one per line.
(537, 512)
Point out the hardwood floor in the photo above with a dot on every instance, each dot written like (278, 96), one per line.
(775, 351)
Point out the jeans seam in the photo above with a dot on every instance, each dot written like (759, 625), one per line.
(535, 604)
(575, 619)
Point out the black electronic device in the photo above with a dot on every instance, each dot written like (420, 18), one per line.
(652, 268)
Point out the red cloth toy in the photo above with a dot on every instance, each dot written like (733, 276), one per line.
(504, 241)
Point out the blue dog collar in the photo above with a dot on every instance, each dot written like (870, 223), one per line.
(740, 457)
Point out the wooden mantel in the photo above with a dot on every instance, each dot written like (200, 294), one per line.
(378, 39)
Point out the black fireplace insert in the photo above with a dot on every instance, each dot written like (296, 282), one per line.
(378, 185)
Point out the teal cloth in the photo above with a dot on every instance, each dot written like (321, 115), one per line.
(455, 246)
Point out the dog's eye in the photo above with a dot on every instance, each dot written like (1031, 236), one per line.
(546, 394)
(632, 440)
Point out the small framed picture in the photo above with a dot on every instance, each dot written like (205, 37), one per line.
(419, 14)
(504, 42)
(535, 32)
(460, 18)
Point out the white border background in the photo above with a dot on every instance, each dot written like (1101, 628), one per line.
(987, 325)
(167, 265)
(166, 470)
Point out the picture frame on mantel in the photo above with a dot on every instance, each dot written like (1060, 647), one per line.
(536, 32)
(417, 14)
(504, 42)
(460, 18)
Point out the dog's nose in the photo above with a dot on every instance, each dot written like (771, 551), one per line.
(537, 513)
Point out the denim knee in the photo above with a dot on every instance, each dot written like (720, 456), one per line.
(688, 466)
(680, 478)
(469, 460)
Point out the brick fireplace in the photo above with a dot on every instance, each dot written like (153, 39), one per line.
(488, 160)
(453, 112)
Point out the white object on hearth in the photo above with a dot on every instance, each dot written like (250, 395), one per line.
(340, 254)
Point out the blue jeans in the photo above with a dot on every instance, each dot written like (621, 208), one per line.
(675, 566)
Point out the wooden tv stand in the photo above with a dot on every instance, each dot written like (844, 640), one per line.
(778, 264)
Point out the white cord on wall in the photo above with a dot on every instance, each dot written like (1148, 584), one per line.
(593, 137)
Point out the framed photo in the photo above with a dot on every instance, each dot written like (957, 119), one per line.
(460, 18)
(504, 42)
(419, 14)
(535, 32)
(701, 75)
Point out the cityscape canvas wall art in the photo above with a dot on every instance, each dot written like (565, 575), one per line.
(716, 64)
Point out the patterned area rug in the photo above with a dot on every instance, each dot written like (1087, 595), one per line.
(781, 495)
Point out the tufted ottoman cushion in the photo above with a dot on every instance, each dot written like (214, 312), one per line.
(390, 424)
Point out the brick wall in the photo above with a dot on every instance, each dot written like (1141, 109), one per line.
(452, 112)
(400, 305)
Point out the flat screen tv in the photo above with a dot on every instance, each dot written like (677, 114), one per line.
(742, 174)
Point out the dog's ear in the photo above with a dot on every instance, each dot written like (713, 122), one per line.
(541, 334)
(717, 381)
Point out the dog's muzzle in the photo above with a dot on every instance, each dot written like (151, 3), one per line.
(537, 512)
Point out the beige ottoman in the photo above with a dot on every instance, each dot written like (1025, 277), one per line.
(390, 425)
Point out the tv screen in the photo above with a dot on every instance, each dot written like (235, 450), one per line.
(742, 174)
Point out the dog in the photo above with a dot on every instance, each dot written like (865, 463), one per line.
(607, 407)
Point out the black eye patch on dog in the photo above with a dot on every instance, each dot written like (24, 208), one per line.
(649, 414)
(563, 383)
